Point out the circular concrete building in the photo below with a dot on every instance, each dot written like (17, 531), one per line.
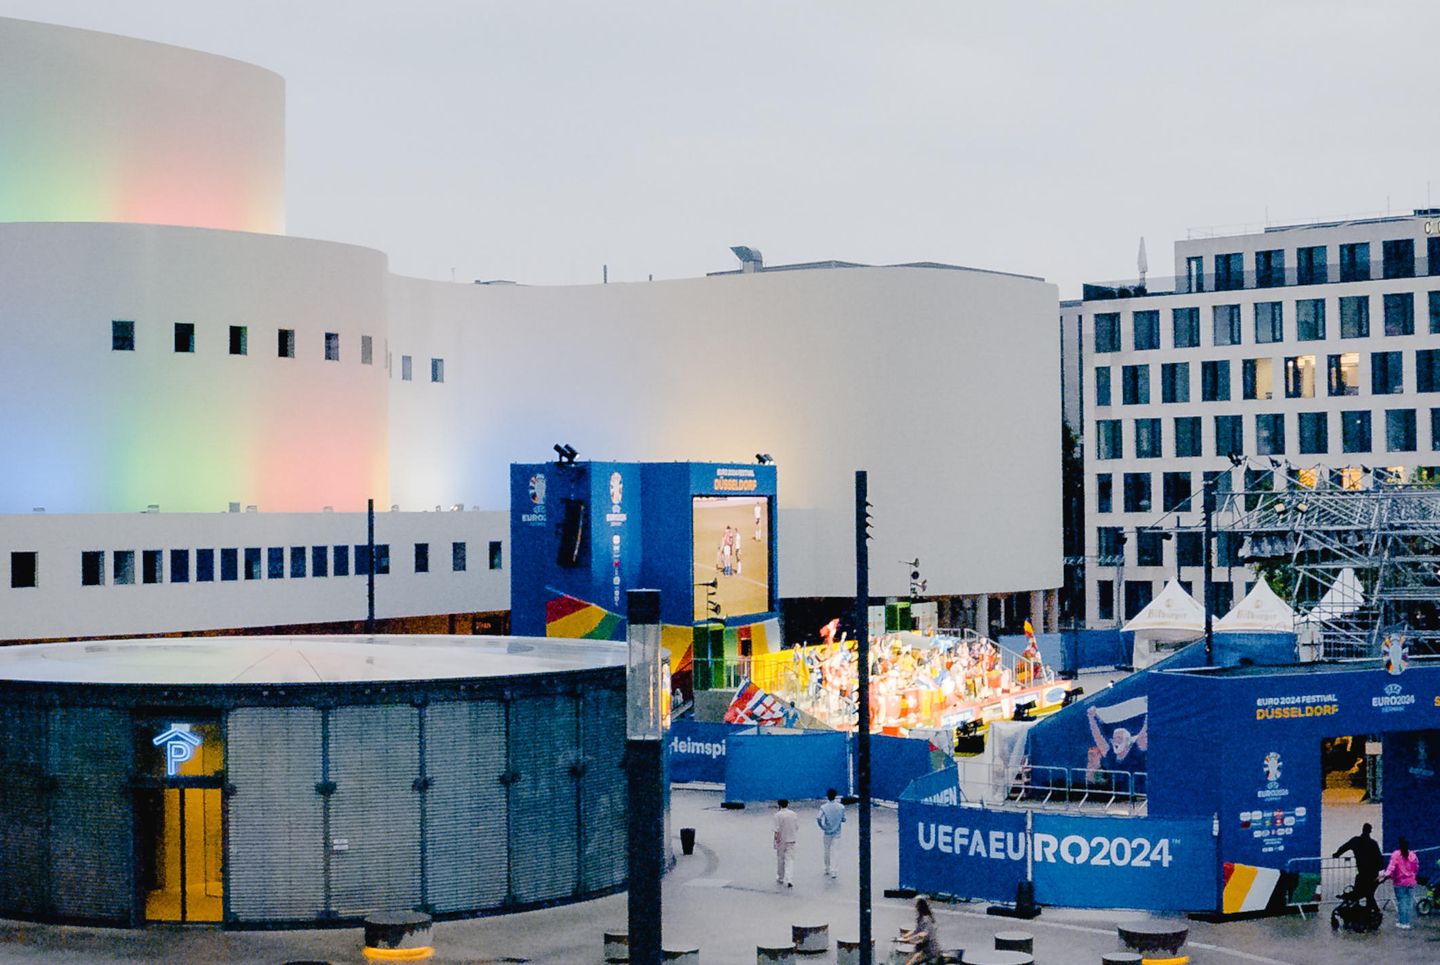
(262, 781)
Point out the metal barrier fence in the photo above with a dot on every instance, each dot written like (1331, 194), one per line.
(1074, 789)
(1319, 882)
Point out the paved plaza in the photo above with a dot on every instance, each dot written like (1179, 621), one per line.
(724, 900)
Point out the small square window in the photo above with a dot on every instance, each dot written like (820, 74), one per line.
(319, 561)
(252, 563)
(275, 563)
(185, 337)
(24, 569)
(92, 568)
(497, 557)
(382, 558)
(122, 336)
(437, 370)
(285, 343)
(1104, 493)
(342, 561)
(405, 368)
(205, 566)
(332, 346)
(230, 563)
(362, 559)
(367, 350)
(123, 564)
(179, 566)
(239, 340)
(152, 566)
(422, 557)
(457, 557)
(297, 562)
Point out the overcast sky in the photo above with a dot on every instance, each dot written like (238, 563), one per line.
(537, 141)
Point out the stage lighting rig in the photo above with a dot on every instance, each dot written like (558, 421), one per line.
(565, 453)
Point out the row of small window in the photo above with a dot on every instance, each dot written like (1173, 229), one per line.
(122, 339)
(1397, 260)
(269, 563)
(1110, 542)
(1139, 593)
(1257, 378)
(1313, 429)
(1269, 319)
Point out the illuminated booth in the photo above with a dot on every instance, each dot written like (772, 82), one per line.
(703, 534)
(263, 781)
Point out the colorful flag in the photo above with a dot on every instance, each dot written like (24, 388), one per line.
(754, 706)
(1029, 631)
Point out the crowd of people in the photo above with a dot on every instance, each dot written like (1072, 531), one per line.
(915, 680)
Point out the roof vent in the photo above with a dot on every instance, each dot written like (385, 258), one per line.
(750, 259)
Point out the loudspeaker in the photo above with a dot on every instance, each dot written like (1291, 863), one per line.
(572, 534)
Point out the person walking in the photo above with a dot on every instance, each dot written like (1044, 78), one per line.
(830, 818)
(1403, 868)
(923, 936)
(786, 823)
(1368, 862)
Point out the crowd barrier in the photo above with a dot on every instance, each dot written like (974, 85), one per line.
(1317, 882)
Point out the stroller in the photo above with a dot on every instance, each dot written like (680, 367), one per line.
(1355, 914)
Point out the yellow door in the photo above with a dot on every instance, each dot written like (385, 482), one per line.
(186, 883)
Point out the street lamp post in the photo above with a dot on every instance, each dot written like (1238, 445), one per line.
(1208, 508)
(645, 828)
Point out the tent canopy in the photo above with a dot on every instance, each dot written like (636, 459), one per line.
(1171, 617)
(1345, 595)
(1260, 612)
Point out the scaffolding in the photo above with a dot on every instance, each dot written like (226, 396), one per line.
(1389, 535)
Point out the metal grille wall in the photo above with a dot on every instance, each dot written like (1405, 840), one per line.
(91, 814)
(467, 861)
(275, 833)
(24, 838)
(375, 810)
(543, 815)
(602, 790)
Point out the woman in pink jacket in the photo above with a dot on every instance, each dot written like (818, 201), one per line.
(1404, 866)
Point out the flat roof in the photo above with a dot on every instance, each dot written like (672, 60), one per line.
(301, 659)
(1365, 664)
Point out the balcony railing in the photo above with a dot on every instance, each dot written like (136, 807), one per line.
(1291, 276)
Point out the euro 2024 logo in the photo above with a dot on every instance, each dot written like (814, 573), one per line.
(1272, 767)
(617, 490)
(537, 489)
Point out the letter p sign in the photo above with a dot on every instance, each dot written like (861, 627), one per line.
(179, 744)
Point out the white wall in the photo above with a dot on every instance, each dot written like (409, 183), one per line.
(59, 606)
(104, 128)
(943, 384)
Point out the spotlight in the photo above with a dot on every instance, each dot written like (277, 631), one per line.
(1236, 459)
(565, 453)
(1274, 463)
(764, 459)
(1072, 695)
(1022, 710)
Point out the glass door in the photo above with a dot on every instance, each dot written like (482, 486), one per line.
(180, 822)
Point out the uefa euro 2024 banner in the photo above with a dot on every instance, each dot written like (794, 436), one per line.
(1079, 861)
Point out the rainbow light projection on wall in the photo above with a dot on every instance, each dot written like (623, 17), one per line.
(186, 139)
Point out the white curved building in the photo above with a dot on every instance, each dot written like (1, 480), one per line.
(208, 366)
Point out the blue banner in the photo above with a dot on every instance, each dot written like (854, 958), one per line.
(1110, 862)
(697, 751)
(894, 763)
(962, 851)
(766, 767)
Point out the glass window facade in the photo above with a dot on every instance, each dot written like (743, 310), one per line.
(1185, 325)
(1226, 319)
(1310, 319)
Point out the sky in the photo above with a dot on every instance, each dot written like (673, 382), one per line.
(537, 141)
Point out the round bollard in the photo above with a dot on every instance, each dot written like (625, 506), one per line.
(1014, 941)
(681, 956)
(398, 936)
(811, 939)
(687, 840)
(774, 955)
(617, 947)
(847, 952)
(1121, 958)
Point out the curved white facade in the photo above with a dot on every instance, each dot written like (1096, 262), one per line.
(95, 127)
(941, 382)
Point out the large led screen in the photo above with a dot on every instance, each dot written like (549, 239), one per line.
(732, 549)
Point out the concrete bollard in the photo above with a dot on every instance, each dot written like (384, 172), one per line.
(847, 952)
(398, 936)
(1121, 958)
(681, 956)
(1014, 941)
(617, 947)
(811, 939)
(774, 955)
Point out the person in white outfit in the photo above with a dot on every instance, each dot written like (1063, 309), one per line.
(830, 818)
(786, 823)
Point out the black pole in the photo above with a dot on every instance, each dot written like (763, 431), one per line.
(370, 567)
(862, 701)
(1208, 504)
(645, 811)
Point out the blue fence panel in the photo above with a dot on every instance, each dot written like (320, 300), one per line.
(696, 750)
(962, 851)
(1105, 862)
(764, 767)
(894, 763)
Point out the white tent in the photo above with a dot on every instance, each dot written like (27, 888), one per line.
(1260, 612)
(1345, 595)
(1173, 617)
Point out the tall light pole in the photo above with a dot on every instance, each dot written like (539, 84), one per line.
(862, 701)
(645, 827)
(1208, 508)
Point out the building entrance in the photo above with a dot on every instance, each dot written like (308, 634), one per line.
(179, 821)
